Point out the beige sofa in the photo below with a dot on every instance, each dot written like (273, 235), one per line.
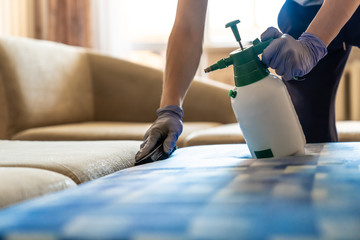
(50, 91)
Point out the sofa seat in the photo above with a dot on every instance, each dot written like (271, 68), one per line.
(348, 131)
(224, 134)
(103, 131)
(81, 161)
(19, 184)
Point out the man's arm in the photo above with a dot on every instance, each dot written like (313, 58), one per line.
(182, 59)
(332, 16)
(184, 50)
(291, 58)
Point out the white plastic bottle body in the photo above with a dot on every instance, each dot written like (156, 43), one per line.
(268, 119)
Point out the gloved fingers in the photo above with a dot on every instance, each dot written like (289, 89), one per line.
(147, 145)
(271, 32)
(280, 67)
(288, 67)
(269, 55)
(299, 75)
(279, 72)
(146, 136)
(288, 76)
(170, 142)
(169, 120)
(144, 150)
(147, 133)
(293, 75)
(144, 143)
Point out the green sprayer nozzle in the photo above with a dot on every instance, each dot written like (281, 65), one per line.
(223, 63)
(248, 68)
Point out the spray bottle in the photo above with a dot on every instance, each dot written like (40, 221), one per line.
(261, 103)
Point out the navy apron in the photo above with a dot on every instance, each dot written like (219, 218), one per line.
(314, 98)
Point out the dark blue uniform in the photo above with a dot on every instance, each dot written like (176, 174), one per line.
(314, 98)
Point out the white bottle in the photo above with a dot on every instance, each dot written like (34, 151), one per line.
(267, 118)
(262, 104)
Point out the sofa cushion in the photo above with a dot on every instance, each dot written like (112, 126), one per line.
(53, 87)
(348, 131)
(19, 184)
(223, 134)
(103, 131)
(81, 161)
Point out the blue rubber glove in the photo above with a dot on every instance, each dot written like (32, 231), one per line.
(289, 57)
(167, 126)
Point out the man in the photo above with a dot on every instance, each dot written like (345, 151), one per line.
(325, 31)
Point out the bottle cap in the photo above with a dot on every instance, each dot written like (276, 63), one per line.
(247, 66)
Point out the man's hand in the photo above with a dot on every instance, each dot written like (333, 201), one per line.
(167, 127)
(289, 57)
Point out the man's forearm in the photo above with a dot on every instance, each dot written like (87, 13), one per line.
(184, 51)
(183, 56)
(331, 17)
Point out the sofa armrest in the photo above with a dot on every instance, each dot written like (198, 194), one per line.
(43, 83)
(124, 91)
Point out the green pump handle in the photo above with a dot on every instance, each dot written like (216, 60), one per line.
(235, 31)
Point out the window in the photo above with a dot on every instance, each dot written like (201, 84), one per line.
(255, 17)
(124, 27)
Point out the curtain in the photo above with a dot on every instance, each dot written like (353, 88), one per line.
(65, 21)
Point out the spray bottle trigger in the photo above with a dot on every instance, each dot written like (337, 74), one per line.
(259, 47)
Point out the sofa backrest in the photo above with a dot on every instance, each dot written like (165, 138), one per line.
(124, 91)
(208, 100)
(43, 83)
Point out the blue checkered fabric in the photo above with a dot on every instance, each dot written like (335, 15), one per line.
(206, 192)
